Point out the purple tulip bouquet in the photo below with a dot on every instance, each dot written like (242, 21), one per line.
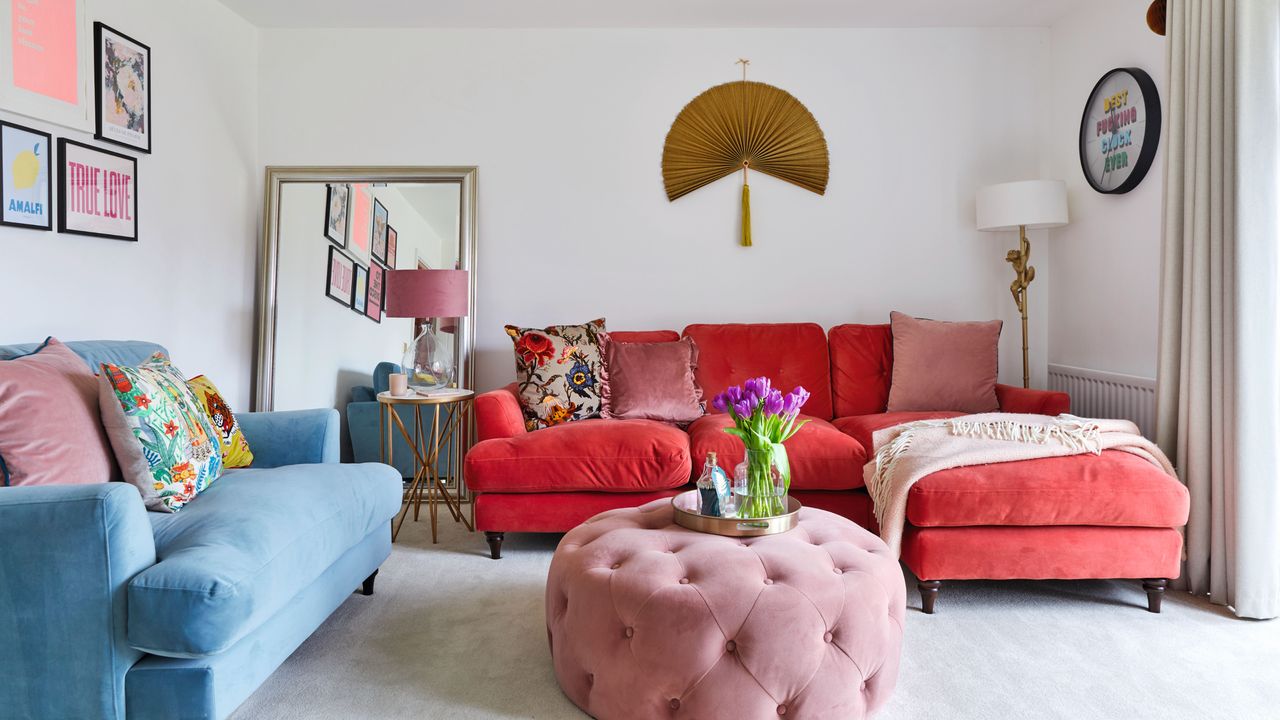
(763, 419)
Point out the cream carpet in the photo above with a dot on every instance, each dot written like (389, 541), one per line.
(450, 633)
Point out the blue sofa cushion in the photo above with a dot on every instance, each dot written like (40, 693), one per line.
(95, 352)
(245, 547)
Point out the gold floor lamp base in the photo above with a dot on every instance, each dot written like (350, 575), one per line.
(1020, 259)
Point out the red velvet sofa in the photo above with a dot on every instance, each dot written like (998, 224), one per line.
(1074, 517)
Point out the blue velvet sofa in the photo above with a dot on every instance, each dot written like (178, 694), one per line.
(110, 611)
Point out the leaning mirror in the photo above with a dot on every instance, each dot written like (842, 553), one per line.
(331, 236)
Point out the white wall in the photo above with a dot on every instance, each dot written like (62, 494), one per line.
(188, 283)
(1104, 298)
(567, 129)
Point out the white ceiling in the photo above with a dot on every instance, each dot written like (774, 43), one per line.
(652, 13)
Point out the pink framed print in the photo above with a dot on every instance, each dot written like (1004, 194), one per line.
(377, 282)
(340, 278)
(98, 191)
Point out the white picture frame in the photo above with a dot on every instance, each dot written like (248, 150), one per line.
(24, 42)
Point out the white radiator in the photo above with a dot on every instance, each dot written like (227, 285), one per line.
(1107, 395)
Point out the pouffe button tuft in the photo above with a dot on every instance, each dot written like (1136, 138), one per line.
(684, 581)
(629, 632)
(675, 704)
(827, 637)
(730, 646)
(782, 709)
(616, 566)
(768, 581)
(838, 571)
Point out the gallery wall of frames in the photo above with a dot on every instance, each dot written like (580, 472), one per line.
(86, 188)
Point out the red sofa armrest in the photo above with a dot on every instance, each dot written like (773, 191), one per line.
(498, 414)
(1040, 402)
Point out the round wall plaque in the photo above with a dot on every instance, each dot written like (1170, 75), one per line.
(1120, 130)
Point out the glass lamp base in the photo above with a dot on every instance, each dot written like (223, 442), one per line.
(426, 367)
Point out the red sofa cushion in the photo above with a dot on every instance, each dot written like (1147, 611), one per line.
(590, 455)
(863, 427)
(861, 368)
(644, 336)
(789, 354)
(1034, 553)
(1113, 489)
(821, 457)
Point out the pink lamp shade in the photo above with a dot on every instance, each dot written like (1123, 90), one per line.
(427, 293)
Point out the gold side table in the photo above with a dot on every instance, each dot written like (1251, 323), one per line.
(450, 428)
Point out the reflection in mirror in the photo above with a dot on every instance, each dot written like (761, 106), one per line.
(327, 337)
(324, 345)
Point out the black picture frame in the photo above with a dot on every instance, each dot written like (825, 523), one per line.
(63, 144)
(98, 31)
(382, 293)
(379, 208)
(48, 176)
(345, 298)
(328, 217)
(355, 289)
(1151, 133)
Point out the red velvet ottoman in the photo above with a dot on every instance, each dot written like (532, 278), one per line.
(647, 619)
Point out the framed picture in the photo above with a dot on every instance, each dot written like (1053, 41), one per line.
(337, 208)
(122, 72)
(361, 222)
(98, 190)
(379, 232)
(391, 248)
(46, 62)
(26, 183)
(339, 279)
(360, 291)
(377, 283)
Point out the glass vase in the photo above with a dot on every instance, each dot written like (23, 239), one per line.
(761, 481)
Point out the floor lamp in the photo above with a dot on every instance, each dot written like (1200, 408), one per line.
(1019, 206)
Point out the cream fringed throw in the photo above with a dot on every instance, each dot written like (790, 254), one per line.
(906, 453)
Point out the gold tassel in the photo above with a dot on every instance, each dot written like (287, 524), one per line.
(746, 215)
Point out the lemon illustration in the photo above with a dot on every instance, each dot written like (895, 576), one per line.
(26, 168)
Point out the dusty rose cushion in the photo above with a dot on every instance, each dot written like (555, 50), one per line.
(651, 381)
(649, 620)
(944, 365)
(50, 429)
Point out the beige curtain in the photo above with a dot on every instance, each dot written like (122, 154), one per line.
(1218, 402)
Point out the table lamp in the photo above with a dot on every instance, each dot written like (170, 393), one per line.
(427, 294)
(1021, 205)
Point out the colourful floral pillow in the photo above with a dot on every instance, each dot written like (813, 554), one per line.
(235, 449)
(558, 371)
(165, 444)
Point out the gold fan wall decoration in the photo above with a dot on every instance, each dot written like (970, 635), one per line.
(743, 126)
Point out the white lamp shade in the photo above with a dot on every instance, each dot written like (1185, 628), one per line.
(1031, 203)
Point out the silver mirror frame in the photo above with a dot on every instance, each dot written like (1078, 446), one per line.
(269, 256)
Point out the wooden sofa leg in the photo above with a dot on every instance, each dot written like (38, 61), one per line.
(928, 594)
(367, 588)
(1155, 588)
(495, 543)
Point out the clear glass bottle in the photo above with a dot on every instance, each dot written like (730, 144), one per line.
(715, 496)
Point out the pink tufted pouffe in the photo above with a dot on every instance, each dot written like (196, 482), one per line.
(647, 619)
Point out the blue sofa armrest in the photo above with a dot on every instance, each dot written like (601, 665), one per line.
(291, 437)
(67, 554)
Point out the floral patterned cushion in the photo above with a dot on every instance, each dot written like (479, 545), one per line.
(235, 449)
(165, 444)
(558, 371)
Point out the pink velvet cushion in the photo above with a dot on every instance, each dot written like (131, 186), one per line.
(651, 381)
(649, 620)
(944, 365)
(50, 429)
